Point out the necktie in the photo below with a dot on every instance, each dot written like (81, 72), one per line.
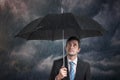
(71, 73)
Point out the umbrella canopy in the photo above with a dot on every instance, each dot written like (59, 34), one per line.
(61, 26)
(52, 26)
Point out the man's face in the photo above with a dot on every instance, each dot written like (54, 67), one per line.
(72, 48)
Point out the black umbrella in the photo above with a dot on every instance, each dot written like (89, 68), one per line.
(61, 26)
(52, 26)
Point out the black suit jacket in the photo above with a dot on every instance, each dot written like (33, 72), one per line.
(82, 70)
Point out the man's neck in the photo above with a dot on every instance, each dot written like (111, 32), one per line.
(72, 57)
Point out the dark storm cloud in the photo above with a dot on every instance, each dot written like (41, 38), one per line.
(109, 16)
(104, 63)
(20, 13)
(30, 59)
(10, 20)
(4, 22)
(116, 38)
(28, 10)
(3, 38)
(37, 50)
(43, 7)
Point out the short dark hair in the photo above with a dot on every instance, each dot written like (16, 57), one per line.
(73, 38)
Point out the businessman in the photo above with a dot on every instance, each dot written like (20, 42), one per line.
(74, 69)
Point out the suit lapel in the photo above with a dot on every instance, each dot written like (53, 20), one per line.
(79, 70)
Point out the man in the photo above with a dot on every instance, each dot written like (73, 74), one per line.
(78, 71)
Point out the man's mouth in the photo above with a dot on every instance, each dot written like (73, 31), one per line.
(71, 51)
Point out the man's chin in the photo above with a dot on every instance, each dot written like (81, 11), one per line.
(71, 54)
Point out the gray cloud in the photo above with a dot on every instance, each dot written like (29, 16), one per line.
(27, 58)
(26, 51)
(116, 39)
(84, 7)
(106, 64)
(46, 64)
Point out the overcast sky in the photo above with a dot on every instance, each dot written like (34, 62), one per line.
(33, 59)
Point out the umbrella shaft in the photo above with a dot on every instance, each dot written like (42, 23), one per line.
(63, 49)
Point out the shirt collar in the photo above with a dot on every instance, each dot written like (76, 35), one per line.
(74, 61)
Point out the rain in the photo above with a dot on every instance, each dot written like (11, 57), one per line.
(21, 59)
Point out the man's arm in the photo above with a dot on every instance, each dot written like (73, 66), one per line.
(57, 72)
(62, 73)
(88, 73)
(53, 72)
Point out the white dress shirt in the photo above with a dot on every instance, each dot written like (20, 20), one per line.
(75, 63)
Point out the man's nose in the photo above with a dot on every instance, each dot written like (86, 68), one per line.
(71, 46)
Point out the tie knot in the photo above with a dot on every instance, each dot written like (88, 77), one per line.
(71, 63)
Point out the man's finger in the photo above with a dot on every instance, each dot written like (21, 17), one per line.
(64, 68)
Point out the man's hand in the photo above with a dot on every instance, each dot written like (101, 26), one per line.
(62, 73)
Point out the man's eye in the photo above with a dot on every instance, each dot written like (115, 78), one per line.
(75, 45)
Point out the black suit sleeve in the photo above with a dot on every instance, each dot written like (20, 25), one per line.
(88, 75)
(54, 71)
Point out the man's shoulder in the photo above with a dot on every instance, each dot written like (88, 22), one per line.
(83, 62)
(58, 60)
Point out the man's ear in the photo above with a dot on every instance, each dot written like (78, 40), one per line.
(79, 50)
